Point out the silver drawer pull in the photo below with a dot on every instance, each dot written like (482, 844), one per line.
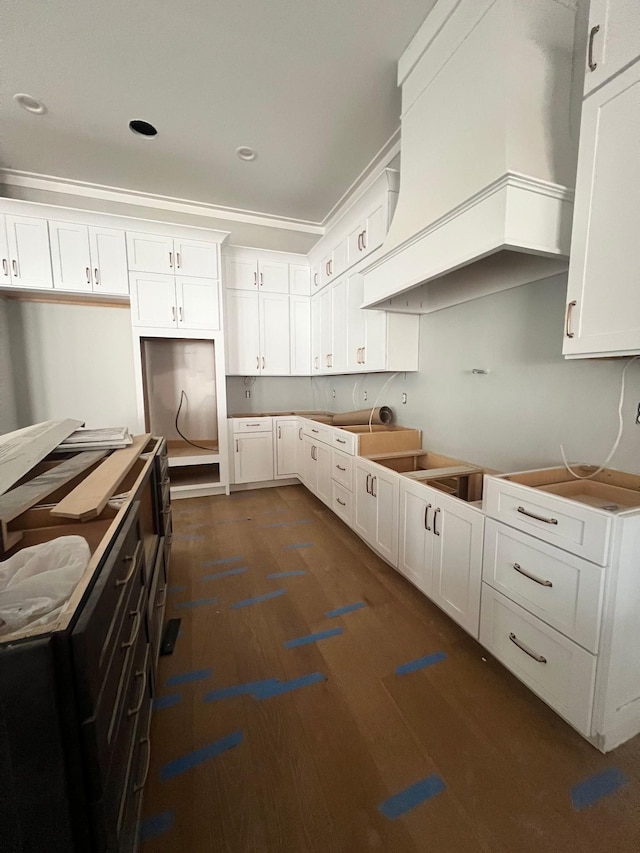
(342, 503)
(315, 430)
(519, 568)
(537, 517)
(525, 649)
(137, 621)
(340, 468)
(134, 562)
(341, 440)
(131, 712)
(163, 593)
(141, 784)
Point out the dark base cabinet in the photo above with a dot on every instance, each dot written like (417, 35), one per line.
(75, 704)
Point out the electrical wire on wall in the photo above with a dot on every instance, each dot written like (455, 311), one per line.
(618, 437)
(183, 397)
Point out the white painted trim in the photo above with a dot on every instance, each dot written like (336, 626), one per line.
(50, 183)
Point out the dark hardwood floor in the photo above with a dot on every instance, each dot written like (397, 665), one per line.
(315, 761)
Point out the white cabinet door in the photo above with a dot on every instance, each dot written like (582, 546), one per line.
(286, 441)
(273, 277)
(614, 26)
(5, 274)
(309, 468)
(299, 279)
(253, 457)
(339, 258)
(339, 326)
(458, 531)
(416, 535)
(374, 353)
(29, 255)
(323, 473)
(326, 330)
(108, 249)
(196, 258)
(150, 253)
(376, 228)
(300, 461)
(300, 327)
(603, 297)
(198, 303)
(242, 333)
(355, 324)
(384, 490)
(70, 256)
(355, 245)
(274, 334)
(153, 300)
(316, 278)
(316, 342)
(240, 273)
(363, 519)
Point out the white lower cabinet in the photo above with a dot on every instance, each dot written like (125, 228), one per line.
(342, 503)
(316, 468)
(286, 445)
(441, 550)
(375, 515)
(253, 457)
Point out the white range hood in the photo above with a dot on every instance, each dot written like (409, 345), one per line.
(488, 154)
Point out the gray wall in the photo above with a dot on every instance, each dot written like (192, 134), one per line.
(72, 361)
(532, 400)
(8, 410)
(269, 394)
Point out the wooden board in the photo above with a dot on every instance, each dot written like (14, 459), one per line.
(92, 495)
(20, 499)
(24, 448)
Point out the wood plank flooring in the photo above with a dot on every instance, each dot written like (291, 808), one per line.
(315, 763)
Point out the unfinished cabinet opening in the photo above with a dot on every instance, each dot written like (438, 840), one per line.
(448, 475)
(610, 490)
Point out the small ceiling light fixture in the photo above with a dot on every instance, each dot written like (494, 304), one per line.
(245, 153)
(30, 104)
(142, 128)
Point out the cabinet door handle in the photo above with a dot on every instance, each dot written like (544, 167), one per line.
(88, 272)
(435, 515)
(264, 364)
(341, 440)
(134, 562)
(315, 362)
(178, 262)
(161, 604)
(360, 241)
(342, 503)
(131, 712)
(257, 362)
(315, 279)
(326, 358)
(279, 432)
(180, 313)
(364, 349)
(237, 446)
(523, 511)
(526, 649)
(326, 268)
(14, 264)
(255, 279)
(522, 571)
(5, 266)
(300, 433)
(261, 280)
(567, 329)
(374, 480)
(315, 430)
(142, 782)
(137, 621)
(96, 276)
(364, 239)
(340, 468)
(171, 260)
(426, 517)
(368, 478)
(173, 313)
(594, 31)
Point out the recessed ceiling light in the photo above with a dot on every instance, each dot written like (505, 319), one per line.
(246, 153)
(30, 104)
(142, 128)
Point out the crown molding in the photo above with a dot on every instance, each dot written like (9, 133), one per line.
(51, 183)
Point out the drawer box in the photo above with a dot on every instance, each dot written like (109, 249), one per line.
(342, 469)
(559, 671)
(318, 432)
(572, 526)
(252, 424)
(342, 502)
(345, 441)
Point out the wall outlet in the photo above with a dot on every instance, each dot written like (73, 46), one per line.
(364, 396)
(404, 397)
(333, 393)
(247, 394)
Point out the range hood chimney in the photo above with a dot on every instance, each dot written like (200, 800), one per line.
(488, 158)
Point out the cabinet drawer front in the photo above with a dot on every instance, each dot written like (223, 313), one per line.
(342, 502)
(342, 469)
(574, 527)
(555, 668)
(318, 432)
(252, 424)
(561, 589)
(344, 441)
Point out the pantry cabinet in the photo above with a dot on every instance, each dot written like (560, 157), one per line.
(375, 516)
(155, 253)
(613, 40)
(257, 326)
(174, 302)
(88, 259)
(27, 259)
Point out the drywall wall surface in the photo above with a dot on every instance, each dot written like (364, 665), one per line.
(8, 410)
(269, 394)
(72, 361)
(531, 401)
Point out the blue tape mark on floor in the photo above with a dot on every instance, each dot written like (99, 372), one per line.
(199, 602)
(268, 691)
(188, 677)
(199, 756)
(257, 599)
(226, 574)
(156, 825)
(596, 787)
(236, 559)
(340, 611)
(284, 524)
(161, 702)
(299, 545)
(238, 690)
(420, 663)
(287, 574)
(233, 520)
(411, 797)
(177, 588)
(312, 638)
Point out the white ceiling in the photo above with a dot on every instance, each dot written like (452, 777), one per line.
(310, 84)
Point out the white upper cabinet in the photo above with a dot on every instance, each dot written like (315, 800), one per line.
(339, 321)
(300, 335)
(300, 279)
(155, 253)
(196, 257)
(263, 272)
(29, 256)
(316, 339)
(273, 277)
(367, 234)
(274, 334)
(167, 302)
(603, 297)
(257, 337)
(5, 274)
(198, 303)
(326, 330)
(88, 259)
(614, 42)
(334, 262)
